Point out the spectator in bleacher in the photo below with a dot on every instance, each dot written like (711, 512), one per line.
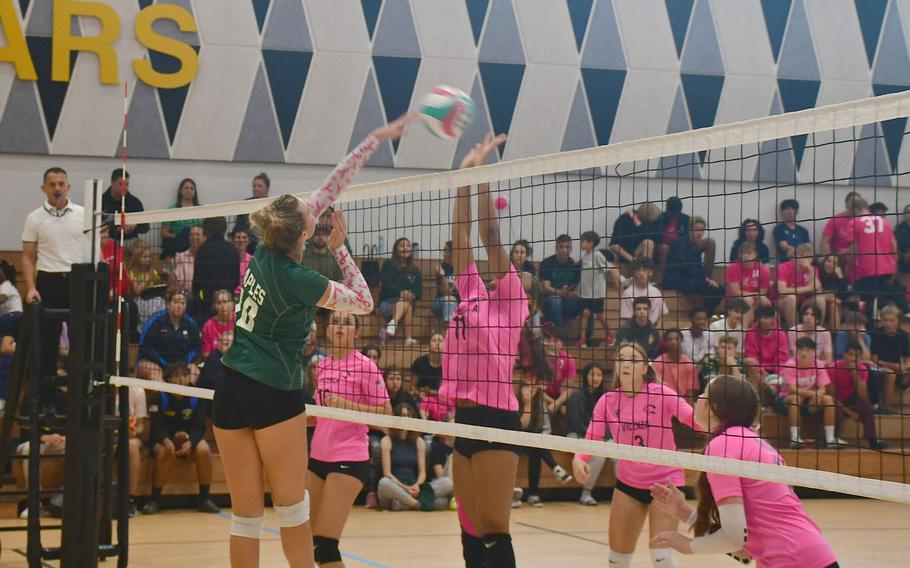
(146, 283)
(440, 457)
(402, 287)
(689, 265)
(10, 300)
(874, 252)
(427, 368)
(853, 328)
(751, 231)
(835, 286)
(902, 234)
(404, 472)
(223, 321)
(639, 329)
(111, 203)
(175, 234)
(766, 344)
(557, 391)
(696, 341)
(749, 279)
(240, 237)
(810, 326)
(396, 387)
(805, 379)
(217, 267)
(671, 225)
(178, 426)
(260, 190)
(634, 233)
(559, 278)
(788, 234)
(446, 300)
(520, 257)
(185, 261)
(878, 208)
(731, 323)
(674, 369)
(592, 285)
(642, 286)
(169, 337)
(52, 242)
(138, 433)
(850, 387)
(317, 255)
(891, 353)
(533, 413)
(798, 283)
(580, 409)
(836, 237)
(213, 368)
(373, 353)
(725, 359)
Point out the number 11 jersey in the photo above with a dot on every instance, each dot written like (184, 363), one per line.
(274, 319)
(482, 341)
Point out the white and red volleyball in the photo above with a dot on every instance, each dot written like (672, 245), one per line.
(447, 111)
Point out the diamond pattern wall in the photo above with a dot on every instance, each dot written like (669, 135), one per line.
(311, 70)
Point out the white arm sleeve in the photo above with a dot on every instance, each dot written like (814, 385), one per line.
(352, 296)
(341, 176)
(731, 537)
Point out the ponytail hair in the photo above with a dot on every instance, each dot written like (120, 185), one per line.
(532, 357)
(735, 402)
(280, 223)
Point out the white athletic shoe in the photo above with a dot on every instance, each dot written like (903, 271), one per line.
(410, 342)
(391, 328)
(837, 443)
(797, 443)
(587, 500)
(562, 475)
(534, 501)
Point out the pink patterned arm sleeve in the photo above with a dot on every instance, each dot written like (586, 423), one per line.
(352, 296)
(341, 176)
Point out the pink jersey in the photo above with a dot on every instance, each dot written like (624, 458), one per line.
(680, 376)
(837, 231)
(564, 366)
(793, 276)
(212, 332)
(356, 379)
(641, 420)
(811, 378)
(750, 280)
(876, 254)
(821, 336)
(482, 342)
(780, 533)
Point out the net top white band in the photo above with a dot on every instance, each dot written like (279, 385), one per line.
(826, 118)
(824, 480)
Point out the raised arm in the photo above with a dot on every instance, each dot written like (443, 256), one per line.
(353, 295)
(488, 219)
(462, 257)
(344, 172)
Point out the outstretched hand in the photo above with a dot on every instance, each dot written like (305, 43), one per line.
(480, 153)
(395, 129)
(339, 231)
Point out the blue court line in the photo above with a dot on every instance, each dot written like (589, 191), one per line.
(345, 554)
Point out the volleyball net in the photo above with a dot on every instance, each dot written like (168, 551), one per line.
(773, 249)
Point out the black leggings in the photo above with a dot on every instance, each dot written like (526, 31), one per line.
(535, 456)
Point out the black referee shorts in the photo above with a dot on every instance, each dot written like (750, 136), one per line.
(241, 402)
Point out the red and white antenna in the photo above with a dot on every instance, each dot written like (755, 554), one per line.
(118, 254)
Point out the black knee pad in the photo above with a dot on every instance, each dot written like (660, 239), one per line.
(498, 550)
(325, 550)
(472, 551)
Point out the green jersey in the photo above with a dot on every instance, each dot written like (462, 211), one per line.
(274, 318)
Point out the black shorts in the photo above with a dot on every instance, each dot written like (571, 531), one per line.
(241, 402)
(643, 496)
(486, 416)
(594, 305)
(358, 470)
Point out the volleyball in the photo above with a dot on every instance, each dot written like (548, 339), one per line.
(447, 111)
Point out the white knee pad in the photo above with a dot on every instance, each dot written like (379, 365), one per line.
(663, 557)
(294, 515)
(248, 527)
(618, 560)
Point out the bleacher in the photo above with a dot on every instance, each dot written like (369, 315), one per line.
(892, 464)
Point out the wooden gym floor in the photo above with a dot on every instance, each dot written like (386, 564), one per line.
(862, 532)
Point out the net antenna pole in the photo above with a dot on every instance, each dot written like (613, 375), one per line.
(118, 293)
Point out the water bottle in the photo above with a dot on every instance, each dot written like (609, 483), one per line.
(381, 245)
